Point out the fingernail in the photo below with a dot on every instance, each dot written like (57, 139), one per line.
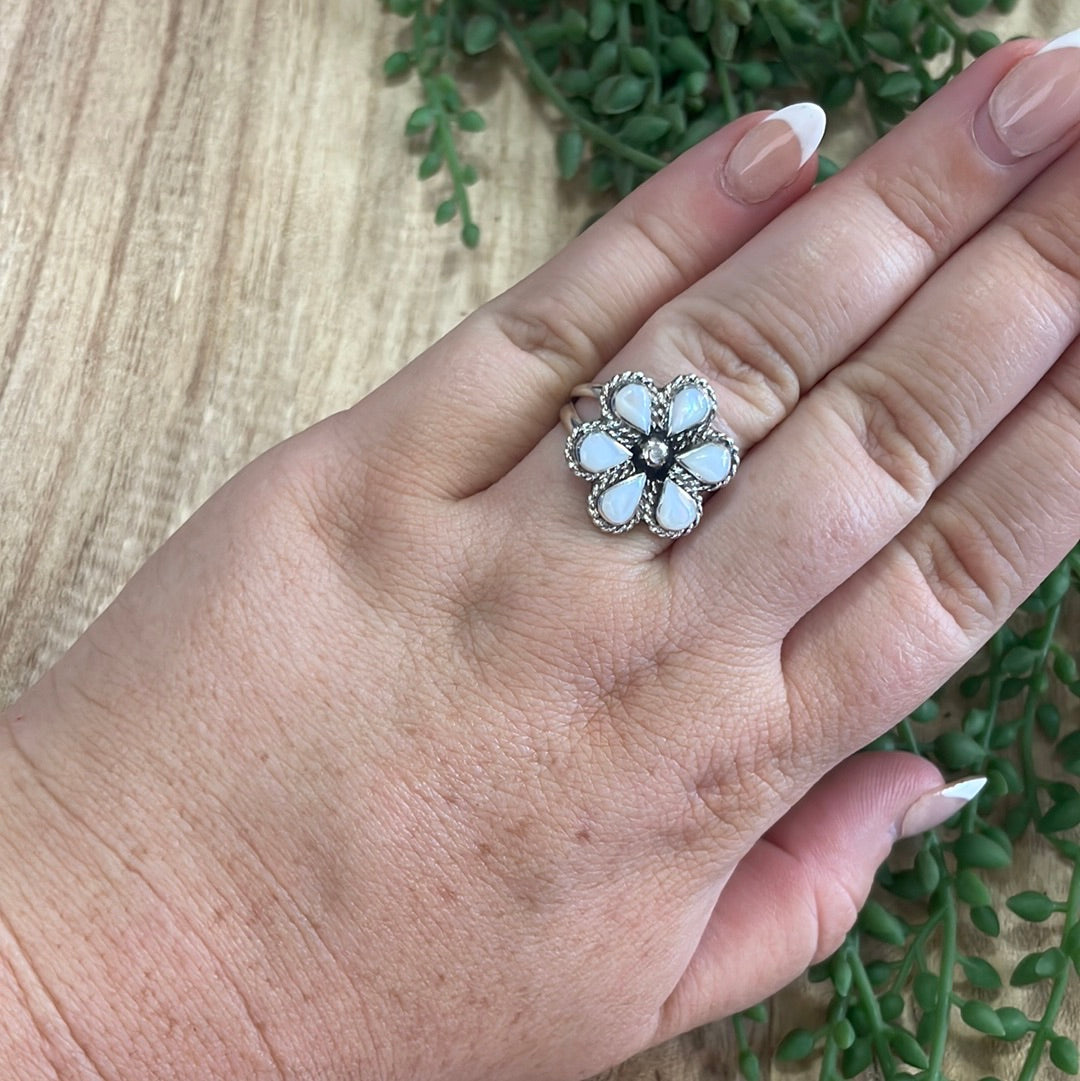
(769, 156)
(933, 808)
(1038, 101)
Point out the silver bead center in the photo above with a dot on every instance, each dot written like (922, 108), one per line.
(655, 453)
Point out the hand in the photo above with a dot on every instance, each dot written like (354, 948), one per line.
(390, 765)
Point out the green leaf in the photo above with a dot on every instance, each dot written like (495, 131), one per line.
(899, 84)
(957, 750)
(759, 1014)
(837, 94)
(618, 94)
(985, 919)
(1063, 1054)
(574, 25)
(879, 972)
(1015, 1022)
(982, 1018)
(641, 61)
(1062, 816)
(481, 33)
(445, 212)
(601, 19)
(1071, 945)
(797, 1044)
(857, 1057)
(1066, 669)
(749, 1065)
(754, 75)
(604, 60)
(982, 41)
(901, 18)
(980, 973)
(470, 120)
(925, 989)
(877, 921)
(971, 889)
(420, 120)
(396, 64)
(967, 8)
(978, 850)
(1038, 966)
(569, 150)
(885, 44)
(928, 711)
(1019, 660)
(470, 235)
(843, 1034)
(840, 970)
(907, 1048)
(430, 164)
(685, 55)
(891, 1006)
(1031, 906)
(644, 130)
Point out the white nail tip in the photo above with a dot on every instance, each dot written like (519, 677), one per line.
(1071, 40)
(807, 121)
(964, 791)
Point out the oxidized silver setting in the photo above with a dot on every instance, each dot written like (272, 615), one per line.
(658, 444)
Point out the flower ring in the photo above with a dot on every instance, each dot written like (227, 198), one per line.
(651, 455)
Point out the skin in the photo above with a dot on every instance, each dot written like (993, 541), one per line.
(390, 765)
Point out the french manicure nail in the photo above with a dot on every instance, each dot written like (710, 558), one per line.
(933, 808)
(1038, 101)
(769, 156)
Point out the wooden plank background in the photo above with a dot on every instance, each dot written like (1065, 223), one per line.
(209, 238)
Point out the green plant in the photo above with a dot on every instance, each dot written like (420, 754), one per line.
(637, 82)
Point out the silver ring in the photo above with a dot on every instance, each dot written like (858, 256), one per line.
(652, 455)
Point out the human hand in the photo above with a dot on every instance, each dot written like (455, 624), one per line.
(390, 764)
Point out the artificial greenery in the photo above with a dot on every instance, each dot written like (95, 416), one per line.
(635, 83)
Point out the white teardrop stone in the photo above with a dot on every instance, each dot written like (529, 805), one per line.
(688, 408)
(598, 451)
(618, 504)
(711, 462)
(633, 403)
(676, 510)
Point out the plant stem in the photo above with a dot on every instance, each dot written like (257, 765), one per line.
(1031, 701)
(945, 980)
(869, 1003)
(1057, 992)
(551, 92)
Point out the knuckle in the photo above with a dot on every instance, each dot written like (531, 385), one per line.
(551, 328)
(760, 358)
(917, 200)
(967, 569)
(1051, 237)
(900, 432)
(661, 238)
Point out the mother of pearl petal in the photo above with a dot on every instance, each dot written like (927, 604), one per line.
(689, 407)
(598, 451)
(633, 403)
(619, 503)
(709, 462)
(676, 510)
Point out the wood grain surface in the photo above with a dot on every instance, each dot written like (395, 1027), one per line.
(209, 238)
